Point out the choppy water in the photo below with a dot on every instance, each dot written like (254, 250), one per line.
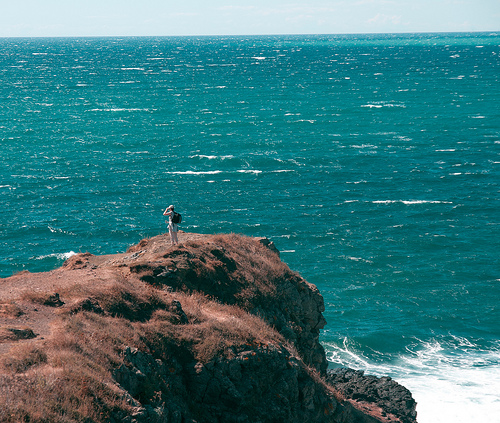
(372, 162)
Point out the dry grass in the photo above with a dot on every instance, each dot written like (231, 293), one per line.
(10, 310)
(57, 396)
(215, 329)
(68, 376)
(36, 297)
(24, 357)
(74, 367)
(232, 268)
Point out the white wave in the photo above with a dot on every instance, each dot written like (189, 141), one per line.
(59, 230)
(210, 157)
(409, 202)
(452, 380)
(193, 172)
(364, 146)
(250, 171)
(117, 109)
(457, 388)
(201, 156)
(127, 69)
(137, 152)
(59, 256)
(373, 106)
(352, 258)
(380, 105)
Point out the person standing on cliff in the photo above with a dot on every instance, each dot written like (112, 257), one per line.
(172, 227)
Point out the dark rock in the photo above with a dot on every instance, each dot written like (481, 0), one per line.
(54, 301)
(25, 333)
(176, 309)
(269, 244)
(88, 304)
(257, 385)
(389, 395)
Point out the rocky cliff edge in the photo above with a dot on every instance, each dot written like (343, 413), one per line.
(216, 329)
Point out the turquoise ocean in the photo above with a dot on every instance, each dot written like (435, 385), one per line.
(371, 161)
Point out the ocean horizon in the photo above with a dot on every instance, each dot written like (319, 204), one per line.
(372, 161)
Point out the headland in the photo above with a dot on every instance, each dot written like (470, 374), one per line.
(215, 329)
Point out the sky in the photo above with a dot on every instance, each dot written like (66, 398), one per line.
(62, 18)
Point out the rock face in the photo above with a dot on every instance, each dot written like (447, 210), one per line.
(263, 384)
(216, 329)
(389, 395)
(261, 285)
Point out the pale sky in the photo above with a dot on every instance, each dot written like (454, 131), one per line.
(42, 18)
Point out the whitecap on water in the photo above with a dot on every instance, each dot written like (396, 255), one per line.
(193, 172)
(59, 230)
(452, 379)
(250, 171)
(409, 202)
(211, 157)
(117, 109)
(58, 256)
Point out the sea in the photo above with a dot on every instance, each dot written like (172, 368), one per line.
(371, 161)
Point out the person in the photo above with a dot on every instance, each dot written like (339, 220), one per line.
(172, 227)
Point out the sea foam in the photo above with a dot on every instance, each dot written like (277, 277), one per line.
(453, 379)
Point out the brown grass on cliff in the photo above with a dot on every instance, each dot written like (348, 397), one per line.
(66, 373)
(58, 379)
(232, 268)
(10, 310)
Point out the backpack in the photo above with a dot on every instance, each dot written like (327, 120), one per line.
(176, 218)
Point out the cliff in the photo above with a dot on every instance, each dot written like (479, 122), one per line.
(216, 329)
